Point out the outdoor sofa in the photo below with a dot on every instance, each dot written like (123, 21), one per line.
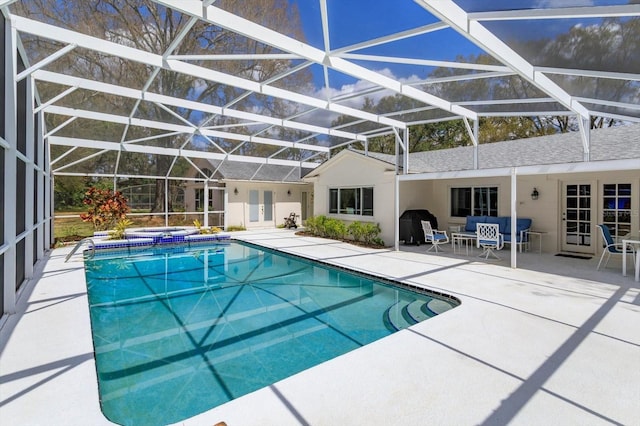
(523, 225)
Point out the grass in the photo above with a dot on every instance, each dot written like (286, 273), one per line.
(74, 229)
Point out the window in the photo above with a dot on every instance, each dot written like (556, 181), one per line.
(616, 208)
(200, 199)
(474, 201)
(356, 201)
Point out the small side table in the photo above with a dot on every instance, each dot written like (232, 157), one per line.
(462, 238)
(538, 234)
(626, 242)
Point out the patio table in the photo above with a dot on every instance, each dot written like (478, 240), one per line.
(468, 238)
(628, 240)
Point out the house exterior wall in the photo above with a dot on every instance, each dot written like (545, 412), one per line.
(546, 211)
(283, 202)
(354, 171)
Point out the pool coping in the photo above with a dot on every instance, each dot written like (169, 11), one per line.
(521, 349)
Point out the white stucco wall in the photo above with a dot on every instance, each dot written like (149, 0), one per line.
(546, 211)
(283, 202)
(349, 170)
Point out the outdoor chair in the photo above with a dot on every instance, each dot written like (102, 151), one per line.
(612, 248)
(290, 222)
(488, 238)
(433, 236)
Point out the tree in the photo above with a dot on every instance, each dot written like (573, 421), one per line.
(151, 27)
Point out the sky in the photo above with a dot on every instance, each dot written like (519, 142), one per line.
(354, 21)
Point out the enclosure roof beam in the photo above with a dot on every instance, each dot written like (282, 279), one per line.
(620, 11)
(95, 86)
(450, 12)
(173, 152)
(270, 37)
(119, 119)
(62, 35)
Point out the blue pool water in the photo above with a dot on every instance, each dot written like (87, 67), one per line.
(179, 330)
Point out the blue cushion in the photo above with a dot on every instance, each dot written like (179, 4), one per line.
(505, 224)
(472, 222)
(522, 224)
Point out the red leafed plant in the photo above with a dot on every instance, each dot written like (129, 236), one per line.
(105, 208)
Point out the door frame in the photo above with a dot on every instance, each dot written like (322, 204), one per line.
(592, 236)
(261, 206)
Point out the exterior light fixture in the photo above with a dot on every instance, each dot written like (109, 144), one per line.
(235, 191)
(288, 192)
(535, 194)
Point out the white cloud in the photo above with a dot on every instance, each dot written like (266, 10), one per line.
(554, 4)
(362, 86)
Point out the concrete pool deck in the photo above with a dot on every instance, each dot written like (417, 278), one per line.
(552, 342)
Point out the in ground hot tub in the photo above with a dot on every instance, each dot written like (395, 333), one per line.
(136, 237)
(172, 234)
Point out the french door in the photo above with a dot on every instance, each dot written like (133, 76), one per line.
(261, 207)
(577, 213)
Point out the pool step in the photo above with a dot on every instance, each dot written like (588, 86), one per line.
(438, 306)
(400, 316)
(417, 312)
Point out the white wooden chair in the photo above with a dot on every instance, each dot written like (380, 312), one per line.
(488, 238)
(433, 236)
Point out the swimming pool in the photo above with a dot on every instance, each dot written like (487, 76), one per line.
(179, 330)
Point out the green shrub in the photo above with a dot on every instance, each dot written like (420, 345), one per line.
(317, 225)
(378, 241)
(310, 225)
(334, 228)
(356, 230)
(236, 228)
(118, 233)
(371, 231)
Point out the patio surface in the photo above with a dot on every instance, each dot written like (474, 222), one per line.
(552, 342)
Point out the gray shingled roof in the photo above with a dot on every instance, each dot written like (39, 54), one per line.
(258, 172)
(614, 143)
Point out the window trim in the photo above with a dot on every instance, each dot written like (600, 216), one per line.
(472, 208)
(616, 226)
(360, 209)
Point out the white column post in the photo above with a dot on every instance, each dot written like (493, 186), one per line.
(10, 168)
(39, 187)
(166, 202)
(29, 183)
(396, 212)
(226, 207)
(405, 157)
(205, 222)
(514, 218)
(48, 192)
(476, 133)
(585, 133)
